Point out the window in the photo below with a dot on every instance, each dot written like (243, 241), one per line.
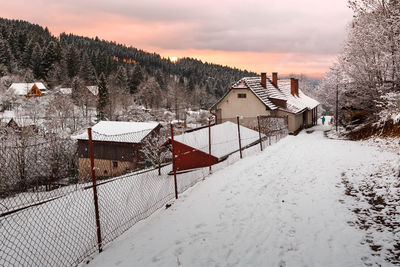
(241, 95)
(115, 164)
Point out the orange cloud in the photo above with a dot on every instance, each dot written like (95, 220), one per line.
(314, 65)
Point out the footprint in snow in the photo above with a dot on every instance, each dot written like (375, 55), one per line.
(200, 225)
(282, 263)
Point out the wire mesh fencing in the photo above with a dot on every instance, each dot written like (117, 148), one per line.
(49, 187)
(42, 208)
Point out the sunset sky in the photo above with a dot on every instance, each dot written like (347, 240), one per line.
(288, 36)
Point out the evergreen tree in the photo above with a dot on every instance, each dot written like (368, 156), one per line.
(135, 79)
(36, 62)
(161, 81)
(87, 71)
(72, 60)
(121, 79)
(3, 70)
(5, 54)
(191, 84)
(28, 77)
(103, 97)
(27, 55)
(51, 55)
(54, 75)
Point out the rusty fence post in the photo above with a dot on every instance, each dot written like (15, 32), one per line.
(95, 198)
(173, 161)
(240, 142)
(259, 132)
(209, 142)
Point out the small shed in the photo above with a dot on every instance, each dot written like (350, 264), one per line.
(116, 147)
(192, 149)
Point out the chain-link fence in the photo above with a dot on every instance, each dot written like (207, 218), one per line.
(47, 201)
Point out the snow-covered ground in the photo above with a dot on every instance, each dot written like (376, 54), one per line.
(286, 206)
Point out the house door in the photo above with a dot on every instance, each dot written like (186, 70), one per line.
(305, 123)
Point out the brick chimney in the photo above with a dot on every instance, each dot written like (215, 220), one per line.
(264, 79)
(275, 79)
(292, 86)
(296, 86)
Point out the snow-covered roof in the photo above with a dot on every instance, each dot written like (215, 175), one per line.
(23, 88)
(296, 103)
(66, 91)
(254, 84)
(94, 89)
(224, 138)
(119, 131)
(22, 121)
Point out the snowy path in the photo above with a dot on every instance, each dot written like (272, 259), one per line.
(281, 207)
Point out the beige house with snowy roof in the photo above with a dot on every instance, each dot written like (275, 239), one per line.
(260, 96)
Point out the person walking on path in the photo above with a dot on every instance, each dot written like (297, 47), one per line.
(323, 120)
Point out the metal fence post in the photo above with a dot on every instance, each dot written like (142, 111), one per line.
(95, 198)
(259, 132)
(240, 142)
(173, 161)
(209, 141)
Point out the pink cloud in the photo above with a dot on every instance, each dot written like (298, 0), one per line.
(288, 36)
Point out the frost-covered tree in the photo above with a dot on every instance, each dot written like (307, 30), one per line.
(61, 111)
(369, 66)
(103, 98)
(149, 93)
(177, 98)
(152, 152)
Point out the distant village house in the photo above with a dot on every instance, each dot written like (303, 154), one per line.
(21, 124)
(260, 96)
(28, 89)
(116, 147)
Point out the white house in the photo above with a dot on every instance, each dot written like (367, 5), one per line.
(28, 89)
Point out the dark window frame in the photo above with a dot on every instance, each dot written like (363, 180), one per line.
(242, 95)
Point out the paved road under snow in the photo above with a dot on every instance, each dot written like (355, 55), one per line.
(280, 207)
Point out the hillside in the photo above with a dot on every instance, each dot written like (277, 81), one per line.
(30, 52)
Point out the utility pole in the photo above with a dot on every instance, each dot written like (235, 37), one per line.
(337, 106)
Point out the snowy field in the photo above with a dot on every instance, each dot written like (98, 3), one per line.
(286, 206)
